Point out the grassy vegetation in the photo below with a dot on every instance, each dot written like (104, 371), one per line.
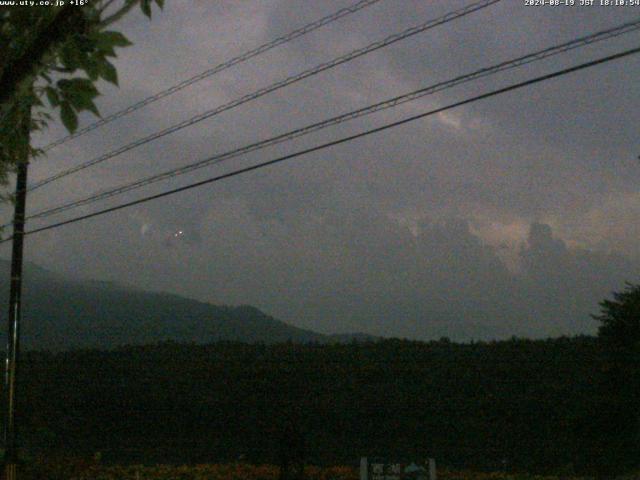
(82, 470)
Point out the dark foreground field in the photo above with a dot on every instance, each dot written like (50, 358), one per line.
(238, 471)
(519, 405)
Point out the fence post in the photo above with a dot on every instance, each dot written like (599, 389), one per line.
(432, 469)
(363, 468)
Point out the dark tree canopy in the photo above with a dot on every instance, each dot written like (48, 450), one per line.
(618, 418)
(467, 405)
(620, 318)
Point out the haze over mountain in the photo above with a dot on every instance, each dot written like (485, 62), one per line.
(470, 294)
(59, 313)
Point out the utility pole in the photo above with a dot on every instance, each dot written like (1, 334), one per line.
(15, 294)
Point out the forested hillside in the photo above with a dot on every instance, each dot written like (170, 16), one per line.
(527, 405)
(60, 313)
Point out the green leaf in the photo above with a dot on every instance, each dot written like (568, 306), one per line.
(109, 72)
(69, 117)
(160, 4)
(85, 43)
(92, 108)
(108, 39)
(145, 6)
(78, 86)
(105, 51)
(70, 55)
(84, 102)
(92, 67)
(79, 94)
(52, 96)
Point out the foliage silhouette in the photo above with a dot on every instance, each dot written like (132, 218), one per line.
(43, 51)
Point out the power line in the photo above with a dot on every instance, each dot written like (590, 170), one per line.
(217, 69)
(484, 72)
(340, 141)
(275, 86)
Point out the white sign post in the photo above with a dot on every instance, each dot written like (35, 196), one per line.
(432, 469)
(386, 470)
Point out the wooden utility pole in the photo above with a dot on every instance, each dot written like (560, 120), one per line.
(15, 294)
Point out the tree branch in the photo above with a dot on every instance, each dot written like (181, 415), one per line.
(105, 6)
(128, 5)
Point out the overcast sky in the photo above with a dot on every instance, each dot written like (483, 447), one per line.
(513, 215)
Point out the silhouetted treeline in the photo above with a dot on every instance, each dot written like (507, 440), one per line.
(524, 404)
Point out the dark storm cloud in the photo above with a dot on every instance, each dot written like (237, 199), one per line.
(421, 231)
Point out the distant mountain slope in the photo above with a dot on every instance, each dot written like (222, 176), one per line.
(60, 314)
